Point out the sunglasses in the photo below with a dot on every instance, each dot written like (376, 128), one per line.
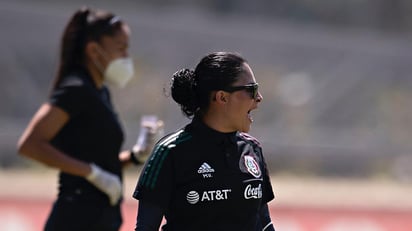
(252, 89)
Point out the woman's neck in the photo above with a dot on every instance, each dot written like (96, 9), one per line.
(217, 122)
(95, 74)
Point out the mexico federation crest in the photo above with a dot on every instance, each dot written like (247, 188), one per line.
(252, 166)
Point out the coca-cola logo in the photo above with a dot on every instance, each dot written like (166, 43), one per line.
(253, 192)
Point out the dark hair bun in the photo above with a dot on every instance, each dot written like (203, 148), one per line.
(182, 90)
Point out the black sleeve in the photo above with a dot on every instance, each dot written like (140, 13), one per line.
(265, 220)
(155, 184)
(268, 193)
(149, 217)
(72, 97)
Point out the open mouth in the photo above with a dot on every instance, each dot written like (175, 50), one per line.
(249, 116)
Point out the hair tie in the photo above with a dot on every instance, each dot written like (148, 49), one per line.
(114, 20)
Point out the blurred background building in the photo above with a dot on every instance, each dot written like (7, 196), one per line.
(335, 75)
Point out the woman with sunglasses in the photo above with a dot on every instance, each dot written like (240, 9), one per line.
(78, 131)
(210, 175)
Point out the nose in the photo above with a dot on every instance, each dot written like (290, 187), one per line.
(259, 97)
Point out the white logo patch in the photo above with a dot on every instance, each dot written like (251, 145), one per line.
(206, 170)
(192, 197)
(253, 193)
(212, 195)
(252, 166)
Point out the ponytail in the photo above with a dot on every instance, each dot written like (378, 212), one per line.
(183, 91)
(73, 44)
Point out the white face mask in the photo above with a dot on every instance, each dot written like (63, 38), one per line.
(119, 72)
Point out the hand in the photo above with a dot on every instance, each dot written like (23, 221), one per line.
(150, 131)
(106, 182)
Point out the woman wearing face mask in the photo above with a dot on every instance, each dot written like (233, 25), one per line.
(78, 132)
(210, 175)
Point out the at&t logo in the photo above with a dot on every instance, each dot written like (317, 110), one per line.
(193, 197)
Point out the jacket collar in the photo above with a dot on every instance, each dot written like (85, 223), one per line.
(201, 129)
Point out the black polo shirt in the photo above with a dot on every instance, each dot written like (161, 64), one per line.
(206, 180)
(92, 134)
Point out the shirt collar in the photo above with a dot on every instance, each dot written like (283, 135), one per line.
(207, 132)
